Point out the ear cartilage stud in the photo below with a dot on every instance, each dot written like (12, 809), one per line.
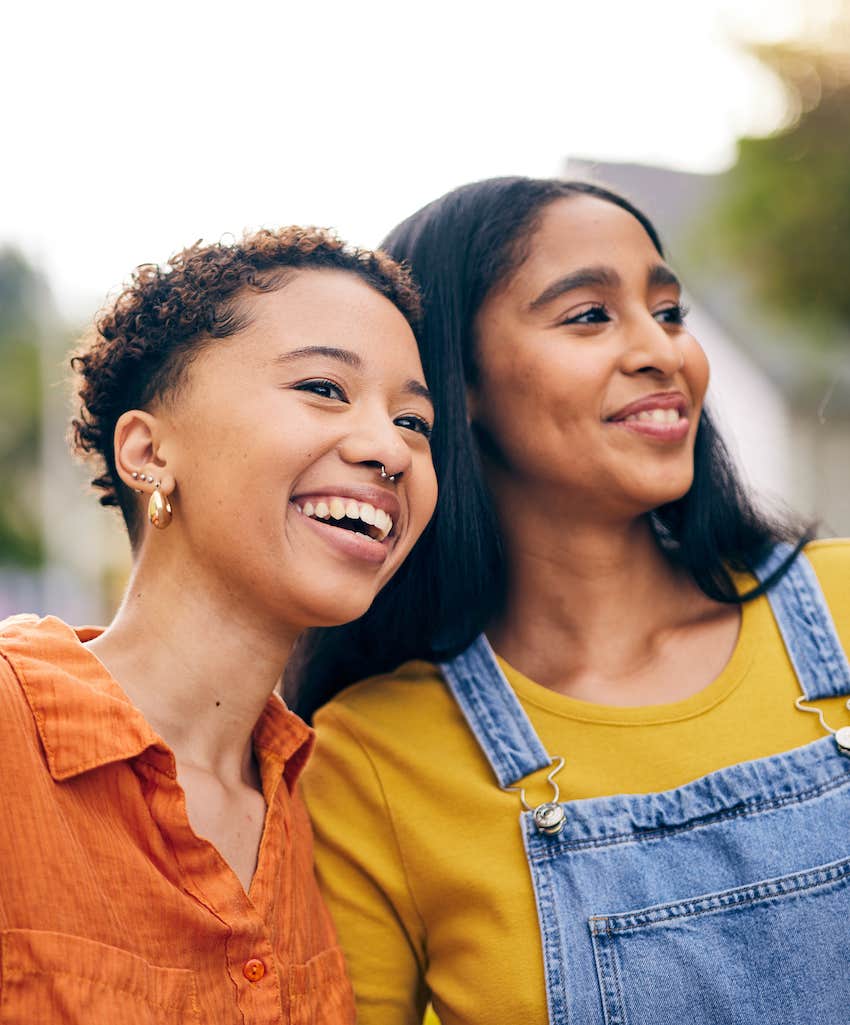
(135, 475)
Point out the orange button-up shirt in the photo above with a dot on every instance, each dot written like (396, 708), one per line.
(112, 910)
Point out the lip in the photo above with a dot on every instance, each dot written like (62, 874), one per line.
(670, 433)
(379, 497)
(347, 542)
(358, 546)
(659, 400)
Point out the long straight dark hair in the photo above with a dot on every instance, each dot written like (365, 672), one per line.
(460, 247)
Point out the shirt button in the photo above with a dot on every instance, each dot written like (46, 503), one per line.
(254, 969)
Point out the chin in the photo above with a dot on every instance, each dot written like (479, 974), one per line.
(665, 496)
(335, 612)
(665, 485)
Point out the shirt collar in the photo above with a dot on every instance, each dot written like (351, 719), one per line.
(85, 720)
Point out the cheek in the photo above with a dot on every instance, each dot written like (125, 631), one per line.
(429, 497)
(529, 402)
(423, 495)
(697, 370)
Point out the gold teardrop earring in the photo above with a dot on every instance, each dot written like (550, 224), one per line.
(159, 508)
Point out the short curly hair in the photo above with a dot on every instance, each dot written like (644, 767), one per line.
(142, 343)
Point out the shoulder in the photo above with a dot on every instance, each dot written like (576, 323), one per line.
(403, 715)
(14, 640)
(12, 628)
(413, 686)
(41, 658)
(15, 710)
(830, 560)
(28, 643)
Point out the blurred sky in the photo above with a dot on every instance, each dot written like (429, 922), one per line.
(132, 129)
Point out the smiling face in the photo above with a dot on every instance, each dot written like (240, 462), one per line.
(276, 442)
(590, 386)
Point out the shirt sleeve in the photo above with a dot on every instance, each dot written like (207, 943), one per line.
(361, 871)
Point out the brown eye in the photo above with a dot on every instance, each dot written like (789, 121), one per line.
(672, 314)
(414, 423)
(596, 314)
(324, 388)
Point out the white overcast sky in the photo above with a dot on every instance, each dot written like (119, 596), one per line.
(132, 129)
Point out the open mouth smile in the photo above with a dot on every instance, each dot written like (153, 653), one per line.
(348, 514)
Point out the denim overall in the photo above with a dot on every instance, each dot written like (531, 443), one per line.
(722, 902)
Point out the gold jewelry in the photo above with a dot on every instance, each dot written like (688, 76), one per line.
(159, 508)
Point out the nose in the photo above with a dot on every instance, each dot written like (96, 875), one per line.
(375, 441)
(653, 349)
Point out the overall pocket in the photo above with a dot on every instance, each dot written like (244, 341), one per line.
(320, 992)
(49, 977)
(771, 952)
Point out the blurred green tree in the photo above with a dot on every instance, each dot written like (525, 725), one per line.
(23, 292)
(783, 212)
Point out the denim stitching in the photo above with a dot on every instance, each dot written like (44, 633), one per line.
(815, 650)
(508, 741)
(726, 900)
(607, 977)
(551, 852)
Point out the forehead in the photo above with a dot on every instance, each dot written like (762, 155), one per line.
(320, 302)
(329, 309)
(583, 231)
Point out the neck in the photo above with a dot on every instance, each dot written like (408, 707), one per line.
(198, 664)
(586, 597)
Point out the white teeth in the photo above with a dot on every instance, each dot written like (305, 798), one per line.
(383, 523)
(339, 508)
(657, 416)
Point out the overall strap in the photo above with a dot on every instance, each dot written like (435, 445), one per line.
(806, 626)
(494, 714)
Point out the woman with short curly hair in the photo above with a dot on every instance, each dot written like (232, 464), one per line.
(258, 413)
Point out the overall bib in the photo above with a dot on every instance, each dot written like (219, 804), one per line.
(725, 901)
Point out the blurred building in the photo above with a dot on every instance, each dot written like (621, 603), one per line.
(783, 403)
(59, 552)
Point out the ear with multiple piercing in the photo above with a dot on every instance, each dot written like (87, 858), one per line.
(159, 507)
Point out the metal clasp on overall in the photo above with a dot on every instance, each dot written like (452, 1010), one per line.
(842, 735)
(549, 817)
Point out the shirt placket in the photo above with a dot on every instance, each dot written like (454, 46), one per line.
(250, 958)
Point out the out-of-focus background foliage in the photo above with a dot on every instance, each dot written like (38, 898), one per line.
(763, 243)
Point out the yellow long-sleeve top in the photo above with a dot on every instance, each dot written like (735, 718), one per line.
(420, 853)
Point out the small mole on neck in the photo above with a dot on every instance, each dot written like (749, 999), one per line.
(218, 704)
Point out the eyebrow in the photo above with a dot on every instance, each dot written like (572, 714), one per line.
(414, 387)
(350, 359)
(601, 277)
(604, 277)
(661, 275)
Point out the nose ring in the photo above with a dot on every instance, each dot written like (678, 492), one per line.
(388, 476)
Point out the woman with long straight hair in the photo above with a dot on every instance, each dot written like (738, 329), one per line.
(599, 793)
(258, 412)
